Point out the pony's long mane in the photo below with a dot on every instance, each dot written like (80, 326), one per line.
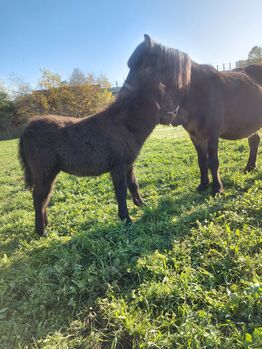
(177, 64)
(169, 60)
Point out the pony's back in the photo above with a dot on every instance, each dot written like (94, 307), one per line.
(254, 71)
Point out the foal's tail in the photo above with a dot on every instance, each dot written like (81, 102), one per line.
(24, 164)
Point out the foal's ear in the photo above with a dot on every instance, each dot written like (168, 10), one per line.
(148, 40)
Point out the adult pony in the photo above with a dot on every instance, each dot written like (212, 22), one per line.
(209, 104)
(108, 141)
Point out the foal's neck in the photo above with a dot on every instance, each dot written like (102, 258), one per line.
(141, 121)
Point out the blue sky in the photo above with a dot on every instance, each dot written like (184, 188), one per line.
(98, 36)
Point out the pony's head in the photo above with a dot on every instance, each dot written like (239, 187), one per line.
(152, 62)
(152, 65)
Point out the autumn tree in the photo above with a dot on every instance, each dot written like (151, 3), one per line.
(7, 110)
(255, 55)
(20, 93)
(49, 80)
(17, 86)
(77, 78)
(81, 96)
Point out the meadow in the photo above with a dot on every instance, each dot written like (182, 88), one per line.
(185, 275)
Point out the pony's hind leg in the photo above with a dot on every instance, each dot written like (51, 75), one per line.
(253, 142)
(133, 186)
(45, 217)
(213, 164)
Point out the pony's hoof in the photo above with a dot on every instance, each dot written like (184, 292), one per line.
(217, 191)
(202, 187)
(139, 202)
(249, 169)
(128, 221)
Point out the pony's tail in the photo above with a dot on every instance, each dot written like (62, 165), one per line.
(24, 164)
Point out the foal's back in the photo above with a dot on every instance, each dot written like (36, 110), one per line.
(59, 143)
(89, 146)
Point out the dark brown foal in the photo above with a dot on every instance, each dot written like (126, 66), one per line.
(108, 141)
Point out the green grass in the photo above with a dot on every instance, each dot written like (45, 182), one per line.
(184, 275)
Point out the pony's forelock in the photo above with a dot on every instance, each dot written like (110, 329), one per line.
(177, 64)
(169, 60)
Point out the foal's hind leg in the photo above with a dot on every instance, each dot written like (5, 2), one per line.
(41, 194)
(45, 217)
(253, 142)
(133, 186)
(201, 148)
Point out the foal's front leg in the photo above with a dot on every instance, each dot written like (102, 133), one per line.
(119, 178)
(213, 164)
(133, 186)
(201, 148)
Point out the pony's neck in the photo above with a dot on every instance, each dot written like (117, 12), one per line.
(198, 73)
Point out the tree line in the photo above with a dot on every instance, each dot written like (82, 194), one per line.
(82, 95)
(254, 57)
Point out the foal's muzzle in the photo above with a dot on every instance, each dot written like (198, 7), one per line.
(129, 87)
(133, 88)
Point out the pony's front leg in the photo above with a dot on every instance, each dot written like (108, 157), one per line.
(213, 164)
(119, 178)
(201, 148)
(133, 186)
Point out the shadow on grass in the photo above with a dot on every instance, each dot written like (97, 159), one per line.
(61, 277)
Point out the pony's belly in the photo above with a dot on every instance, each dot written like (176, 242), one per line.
(239, 133)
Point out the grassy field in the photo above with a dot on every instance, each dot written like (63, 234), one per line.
(184, 275)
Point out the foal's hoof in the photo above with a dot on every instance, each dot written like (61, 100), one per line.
(128, 221)
(202, 187)
(43, 234)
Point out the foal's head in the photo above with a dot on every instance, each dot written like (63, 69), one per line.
(146, 100)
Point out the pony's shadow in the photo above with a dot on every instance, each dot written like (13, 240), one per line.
(248, 182)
